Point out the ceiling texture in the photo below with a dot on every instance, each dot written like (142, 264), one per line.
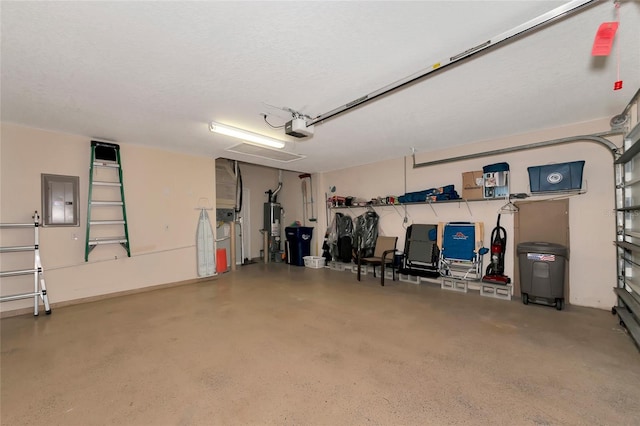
(156, 73)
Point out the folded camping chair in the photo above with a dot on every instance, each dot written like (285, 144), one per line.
(461, 249)
(421, 253)
(383, 254)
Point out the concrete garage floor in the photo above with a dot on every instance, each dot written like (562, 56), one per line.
(273, 344)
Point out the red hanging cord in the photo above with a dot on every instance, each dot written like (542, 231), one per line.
(618, 84)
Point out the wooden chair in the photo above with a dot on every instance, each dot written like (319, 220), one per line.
(385, 246)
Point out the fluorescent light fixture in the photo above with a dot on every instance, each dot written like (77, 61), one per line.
(255, 138)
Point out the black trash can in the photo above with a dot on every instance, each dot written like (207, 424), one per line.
(542, 272)
(298, 244)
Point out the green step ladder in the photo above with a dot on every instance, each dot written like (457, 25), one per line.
(105, 178)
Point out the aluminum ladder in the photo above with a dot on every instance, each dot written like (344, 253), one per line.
(105, 180)
(39, 287)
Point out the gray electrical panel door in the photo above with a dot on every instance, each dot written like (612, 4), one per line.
(60, 200)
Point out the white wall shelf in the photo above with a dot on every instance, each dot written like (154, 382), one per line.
(508, 200)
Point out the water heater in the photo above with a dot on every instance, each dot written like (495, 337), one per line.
(272, 225)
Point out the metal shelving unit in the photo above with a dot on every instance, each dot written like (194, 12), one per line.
(627, 174)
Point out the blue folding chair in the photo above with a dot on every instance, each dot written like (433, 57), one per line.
(461, 250)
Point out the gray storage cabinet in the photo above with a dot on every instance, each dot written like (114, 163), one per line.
(542, 272)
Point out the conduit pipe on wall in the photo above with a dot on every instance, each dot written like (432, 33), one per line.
(232, 244)
(599, 139)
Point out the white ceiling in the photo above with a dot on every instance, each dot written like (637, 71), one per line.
(155, 73)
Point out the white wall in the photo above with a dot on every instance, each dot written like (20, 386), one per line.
(592, 223)
(162, 191)
(260, 179)
(164, 188)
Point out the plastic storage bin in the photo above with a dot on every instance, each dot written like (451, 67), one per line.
(542, 272)
(556, 177)
(298, 244)
(315, 262)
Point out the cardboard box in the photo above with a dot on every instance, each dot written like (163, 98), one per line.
(472, 187)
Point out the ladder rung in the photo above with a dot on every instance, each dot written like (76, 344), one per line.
(20, 296)
(105, 164)
(106, 222)
(101, 183)
(17, 225)
(100, 241)
(17, 248)
(105, 144)
(105, 203)
(21, 272)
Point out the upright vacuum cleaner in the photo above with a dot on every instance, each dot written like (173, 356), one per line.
(495, 271)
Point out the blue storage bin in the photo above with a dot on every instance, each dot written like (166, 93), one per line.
(556, 177)
(497, 167)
